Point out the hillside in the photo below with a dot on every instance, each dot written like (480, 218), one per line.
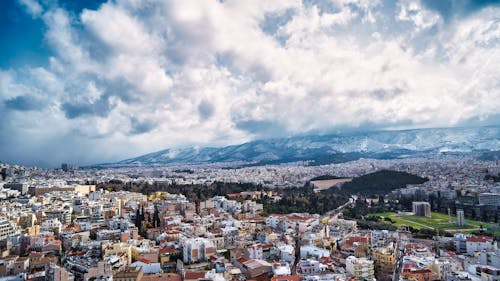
(381, 182)
(304, 199)
(333, 148)
(490, 156)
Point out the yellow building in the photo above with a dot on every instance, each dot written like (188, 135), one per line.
(385, 258)
(167, 253)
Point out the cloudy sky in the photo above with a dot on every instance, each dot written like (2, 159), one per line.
(89, 82)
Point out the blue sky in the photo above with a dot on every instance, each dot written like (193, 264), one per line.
(95, 81)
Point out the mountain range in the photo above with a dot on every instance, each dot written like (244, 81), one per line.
(334, 148)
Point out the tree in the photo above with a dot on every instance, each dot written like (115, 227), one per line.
(138, 219)
(156, 217)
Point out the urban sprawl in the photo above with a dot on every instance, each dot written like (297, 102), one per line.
(126, 223)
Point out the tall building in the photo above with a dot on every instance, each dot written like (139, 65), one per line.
(460, 218)
(422, 209)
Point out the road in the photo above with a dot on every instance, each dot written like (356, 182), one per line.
(335, 213)
(399, 264)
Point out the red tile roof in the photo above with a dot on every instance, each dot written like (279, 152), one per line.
(479, 238)
(242, 260)
(297, 218)
(167, 249)
(193, 275)
(286, 277)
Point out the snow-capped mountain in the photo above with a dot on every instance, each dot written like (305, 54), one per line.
(335, 148)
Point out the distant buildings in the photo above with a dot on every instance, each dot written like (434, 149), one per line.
(489, 199)
(71, 230)
(21, 187)
(422, 209)
(68, 167)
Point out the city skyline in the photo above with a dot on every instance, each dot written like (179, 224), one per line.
(89, 83)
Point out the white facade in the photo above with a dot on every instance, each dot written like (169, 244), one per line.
(476, 245)
(313, 251)
(51, 225)
(287, 253)
(360, 268)
(273, 221)
(195, 249)
(7, 228)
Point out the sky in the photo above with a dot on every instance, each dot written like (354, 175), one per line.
(89, 82)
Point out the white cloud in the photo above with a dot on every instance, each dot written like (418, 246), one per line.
(32, 7)
(136, 76)
(415, 12)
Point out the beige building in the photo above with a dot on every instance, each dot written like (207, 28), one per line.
(119, 249)
(129, 274)
(360, 268)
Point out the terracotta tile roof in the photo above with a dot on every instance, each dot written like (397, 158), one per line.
(193, 275)
(297, 218)
(479, 238)
(286, 277)
(167, 249)
(242, 260)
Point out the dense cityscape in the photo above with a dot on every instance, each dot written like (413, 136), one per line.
(75, 223)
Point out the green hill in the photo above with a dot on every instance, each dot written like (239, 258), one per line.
(381, 182)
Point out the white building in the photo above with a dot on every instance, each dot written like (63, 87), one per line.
(7, 228)
(221, 203)
(287, 253)
(360, 268)
(310, 267)
(281, 269)
(273, 221)
(197, 249)
(479, 243)
(313, 251)
(491, 258)
(51, 225)
(255, 252)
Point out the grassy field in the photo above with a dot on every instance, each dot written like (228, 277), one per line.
(436, 221)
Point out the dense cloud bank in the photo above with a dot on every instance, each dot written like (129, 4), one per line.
(129, 77)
